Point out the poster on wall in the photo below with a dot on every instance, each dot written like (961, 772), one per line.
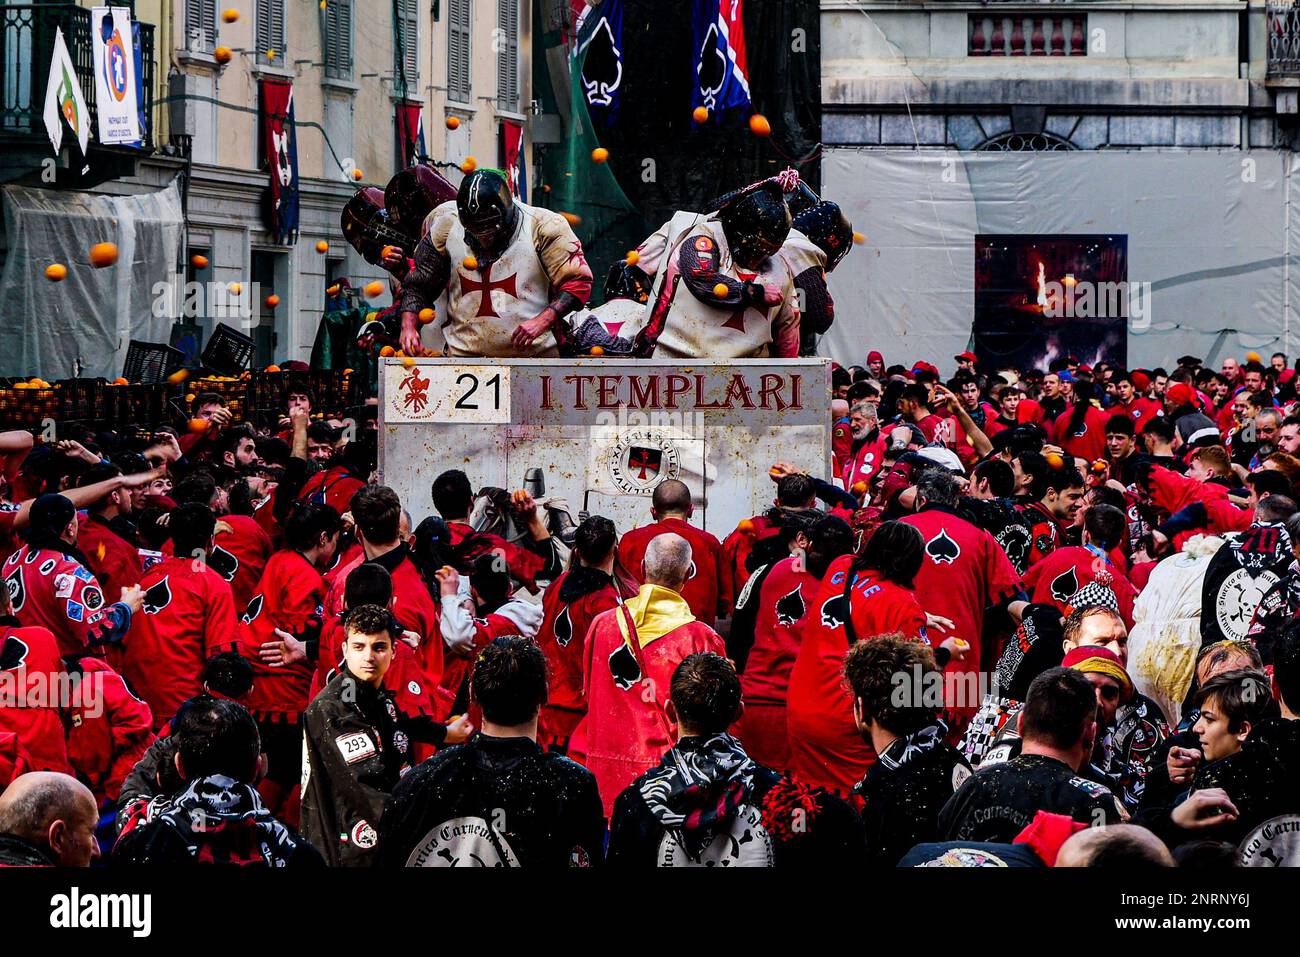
(1041, 297)
(115, 82)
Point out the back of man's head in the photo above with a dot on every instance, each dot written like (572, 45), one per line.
(1275, 508)
(1127, 846)
(227, 674)
(668, 561)
(452, 495)
(191, 527)
(1105, 525)
(368, 584)
(671, 497)
(705, 693)
(1060, 708)
(509, 681)
(594, 539)
(796, 491)
(216, 736)
(377, 511)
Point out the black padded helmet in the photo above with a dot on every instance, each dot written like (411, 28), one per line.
(412, 194)
(367, 227)
(756, 223)
(487, 210)
(829, 229)
(626, 282)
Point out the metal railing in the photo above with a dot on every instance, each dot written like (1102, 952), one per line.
(1028, 34)
(26, 46)
(1283, 39)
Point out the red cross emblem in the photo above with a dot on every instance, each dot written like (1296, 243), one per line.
(484, 289)
(646, 461)
(737, 319)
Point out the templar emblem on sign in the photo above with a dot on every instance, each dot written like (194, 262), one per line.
(414, 390)
(642, 459)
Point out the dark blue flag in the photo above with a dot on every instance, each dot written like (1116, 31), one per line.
(600, 41)
(721, 80)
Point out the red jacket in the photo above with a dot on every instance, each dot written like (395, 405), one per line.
(1090, 441)
(787, 593)
(1172, 492)
(291, 598)
(50, 589)
(735, 552)
(524, 565)
(863, 462)
(109, 730)
(626, 681)
(1056, 578)
(412, 606)
(114, 561)
(193, 615)
(569, 606)
(249, 548)
(30, 667)
(703, 590)
(826, 748)
(334, 487)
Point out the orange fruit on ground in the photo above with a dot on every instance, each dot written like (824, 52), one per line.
(103, 254)
(374, 289)
(198, 425)
(746, 526)
(179, 376)
(599, 154)
(272, 300)
(230, 15)
(56, 272)
(759, 126)
(199, 262)
(453, 122)
(322, 246)
(721, 290)
(597, 350)
(633, 257)
(700, 114)
(427, 316)
(273, 368)
(387, 351)
(223, 54)
(469, 165)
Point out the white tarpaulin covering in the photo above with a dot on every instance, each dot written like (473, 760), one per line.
(605, 433)
(1211, 231)
(46, 328)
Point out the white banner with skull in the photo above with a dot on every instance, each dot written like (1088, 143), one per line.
(603, 433)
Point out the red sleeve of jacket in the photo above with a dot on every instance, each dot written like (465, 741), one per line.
(221, 631)
(131, 722)
(1173, 492)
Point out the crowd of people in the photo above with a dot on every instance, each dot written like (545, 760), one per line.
(1032, 618)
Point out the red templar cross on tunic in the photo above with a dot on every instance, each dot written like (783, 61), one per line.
(484, 289)
(737, 320)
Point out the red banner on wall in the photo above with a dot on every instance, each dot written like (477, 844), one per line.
(280, 153)
(410, 133)
(511, 141)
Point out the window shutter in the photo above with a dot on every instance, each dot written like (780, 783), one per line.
(406, 46)
(201, 25)
(458, 50)
(508, 55)
(269, 31)
(338, 39)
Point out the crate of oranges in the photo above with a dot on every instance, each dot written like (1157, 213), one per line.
(26, 403)
(81, 400)
(233, 389)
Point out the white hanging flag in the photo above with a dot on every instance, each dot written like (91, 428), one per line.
(119, 113)
(63, 98)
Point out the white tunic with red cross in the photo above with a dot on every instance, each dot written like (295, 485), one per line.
(487, 303)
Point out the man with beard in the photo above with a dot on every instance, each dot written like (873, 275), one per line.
(498, 800)
(916, 771)
(988, 504)
(541, 273)
(709, 804)
(866, 456)
(1059, 728)
(591, 585)
(767, 628)
(631, 652)
(217, 818)
(722, 290)
(192, 610)
(106, 537)
(1057, 497)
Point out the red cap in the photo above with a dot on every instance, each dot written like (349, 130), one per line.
(1098, 660)
(1085, 368)
(1286, 376)
(874, 356)
(966, 357)
(1141, 381)
(924, 367)
(1180, 393)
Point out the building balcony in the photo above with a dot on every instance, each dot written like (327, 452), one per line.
(26, 46)
(1283, 44)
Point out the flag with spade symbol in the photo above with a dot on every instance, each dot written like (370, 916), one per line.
(600, 43)
(721, 74)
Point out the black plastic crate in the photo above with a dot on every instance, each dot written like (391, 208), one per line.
(148, 363)
(81, 400)
(229, 351)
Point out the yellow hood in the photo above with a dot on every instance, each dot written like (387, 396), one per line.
(656, 611)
